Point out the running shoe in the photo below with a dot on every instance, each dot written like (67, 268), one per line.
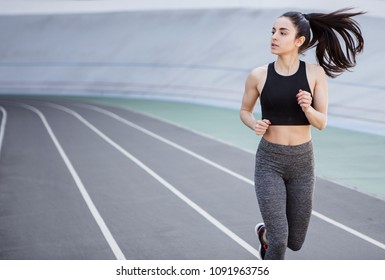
(260, 230)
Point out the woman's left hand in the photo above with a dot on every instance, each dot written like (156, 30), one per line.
(304, 99)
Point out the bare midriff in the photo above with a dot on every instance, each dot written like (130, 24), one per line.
(288, 134)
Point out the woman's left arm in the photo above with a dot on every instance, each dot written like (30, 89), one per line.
(316, 114)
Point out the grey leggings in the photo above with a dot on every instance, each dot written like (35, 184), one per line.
(284, 184)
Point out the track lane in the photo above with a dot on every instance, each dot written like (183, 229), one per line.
(41, 214)
(83, 191)
(120, 225)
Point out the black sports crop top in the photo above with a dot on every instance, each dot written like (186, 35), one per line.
(278, 97)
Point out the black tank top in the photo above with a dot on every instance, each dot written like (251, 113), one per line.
(278, 97)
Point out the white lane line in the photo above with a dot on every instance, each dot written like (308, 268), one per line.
(226, 170)
(350, 230)
(94, 211)
(166, 184)
(2, 126)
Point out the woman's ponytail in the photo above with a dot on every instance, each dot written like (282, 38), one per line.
(327, 31)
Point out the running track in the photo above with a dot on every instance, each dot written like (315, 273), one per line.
(83, 181)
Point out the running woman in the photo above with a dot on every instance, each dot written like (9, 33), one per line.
(294, 96)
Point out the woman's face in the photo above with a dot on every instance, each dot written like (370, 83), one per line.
(283, 38)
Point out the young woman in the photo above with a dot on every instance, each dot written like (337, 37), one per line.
(294, 96)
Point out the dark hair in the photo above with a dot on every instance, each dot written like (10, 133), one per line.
(323, 27)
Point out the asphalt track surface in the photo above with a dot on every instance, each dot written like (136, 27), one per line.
(83, 181)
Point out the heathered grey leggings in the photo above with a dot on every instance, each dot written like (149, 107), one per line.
(284, 184)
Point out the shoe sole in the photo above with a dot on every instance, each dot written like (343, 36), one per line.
(256, 233)
(256, 228)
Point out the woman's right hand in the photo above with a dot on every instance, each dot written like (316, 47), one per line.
(261, 126)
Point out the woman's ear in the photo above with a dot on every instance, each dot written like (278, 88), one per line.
(299, 41)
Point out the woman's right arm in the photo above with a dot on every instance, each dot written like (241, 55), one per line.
(249, 100)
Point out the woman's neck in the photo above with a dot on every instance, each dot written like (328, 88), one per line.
(287, 65)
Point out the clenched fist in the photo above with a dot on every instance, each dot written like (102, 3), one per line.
(261, 126)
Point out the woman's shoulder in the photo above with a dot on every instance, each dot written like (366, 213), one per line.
(316, 75)
(259, 72)
(315, 70)
(257, 77)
